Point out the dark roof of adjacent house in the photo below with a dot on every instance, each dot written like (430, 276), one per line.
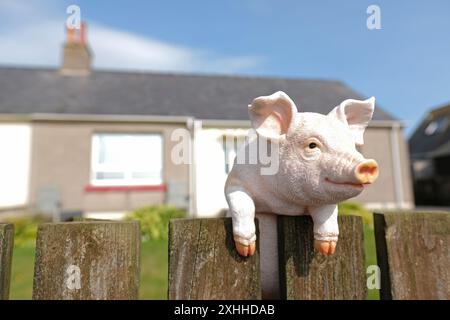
(27, 91)
(432, 137)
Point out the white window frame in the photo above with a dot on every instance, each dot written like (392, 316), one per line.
(128, 180)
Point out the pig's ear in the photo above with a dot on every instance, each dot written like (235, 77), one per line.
(356, 114)
(271, 116)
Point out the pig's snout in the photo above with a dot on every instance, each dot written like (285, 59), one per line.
(367, 171)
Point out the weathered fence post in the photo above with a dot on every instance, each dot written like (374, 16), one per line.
(203, 262)
(6, 249)
(89, 260)
(413, 252)
(308, 275)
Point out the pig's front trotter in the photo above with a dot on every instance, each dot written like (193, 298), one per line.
(244, 234)
(245, 250)
(242, 210)
(326, 248)
(326, 229)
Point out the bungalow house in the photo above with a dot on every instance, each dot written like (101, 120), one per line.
(430, 156)
(100, 142)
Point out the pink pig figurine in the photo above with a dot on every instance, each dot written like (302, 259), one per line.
(318, 166)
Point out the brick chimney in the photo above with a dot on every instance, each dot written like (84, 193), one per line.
(77, 56)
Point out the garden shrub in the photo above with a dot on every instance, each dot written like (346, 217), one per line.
(356, 209)
(25, 229)
(155, 220)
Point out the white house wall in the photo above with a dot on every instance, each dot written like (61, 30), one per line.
(210, 172)
(15, 147)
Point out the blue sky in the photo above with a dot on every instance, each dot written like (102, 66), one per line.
(405, 65)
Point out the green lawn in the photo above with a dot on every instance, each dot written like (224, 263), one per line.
(153, 269)
(371, 257)
(22, 273)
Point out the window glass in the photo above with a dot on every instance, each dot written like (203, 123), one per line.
(231, 145)
(126, 159)
(437, 126)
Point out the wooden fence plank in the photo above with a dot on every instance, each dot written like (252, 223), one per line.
(203, 262)
(413, 251)
(93, 260)
(6, 249)
(307, 275)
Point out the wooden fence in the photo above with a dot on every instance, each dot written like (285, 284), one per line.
(6, 247)
(413, 252)
(100, 260)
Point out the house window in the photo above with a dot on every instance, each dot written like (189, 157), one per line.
(231, 145)
(126, 159)
(437, 126)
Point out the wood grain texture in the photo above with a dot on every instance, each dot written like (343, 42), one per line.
(307, 275)
(6, 249)
(413, 250)
(106, 254)
(204, 264)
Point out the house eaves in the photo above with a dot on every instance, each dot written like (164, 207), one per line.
(212, 123)
(217, 123)
(57, 117)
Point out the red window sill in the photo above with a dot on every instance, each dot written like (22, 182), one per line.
(157, 187)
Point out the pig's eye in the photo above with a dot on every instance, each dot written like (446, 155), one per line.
(312, 145)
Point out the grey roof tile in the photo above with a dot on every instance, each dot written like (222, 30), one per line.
(25, 91)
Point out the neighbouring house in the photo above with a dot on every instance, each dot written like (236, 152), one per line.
(76, 139)
(430, 156)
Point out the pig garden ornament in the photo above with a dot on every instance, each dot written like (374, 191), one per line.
(318, 167)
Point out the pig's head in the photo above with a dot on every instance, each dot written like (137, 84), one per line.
(318, 158)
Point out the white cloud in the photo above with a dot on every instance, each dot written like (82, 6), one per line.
(114, 48)
(33, 37)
